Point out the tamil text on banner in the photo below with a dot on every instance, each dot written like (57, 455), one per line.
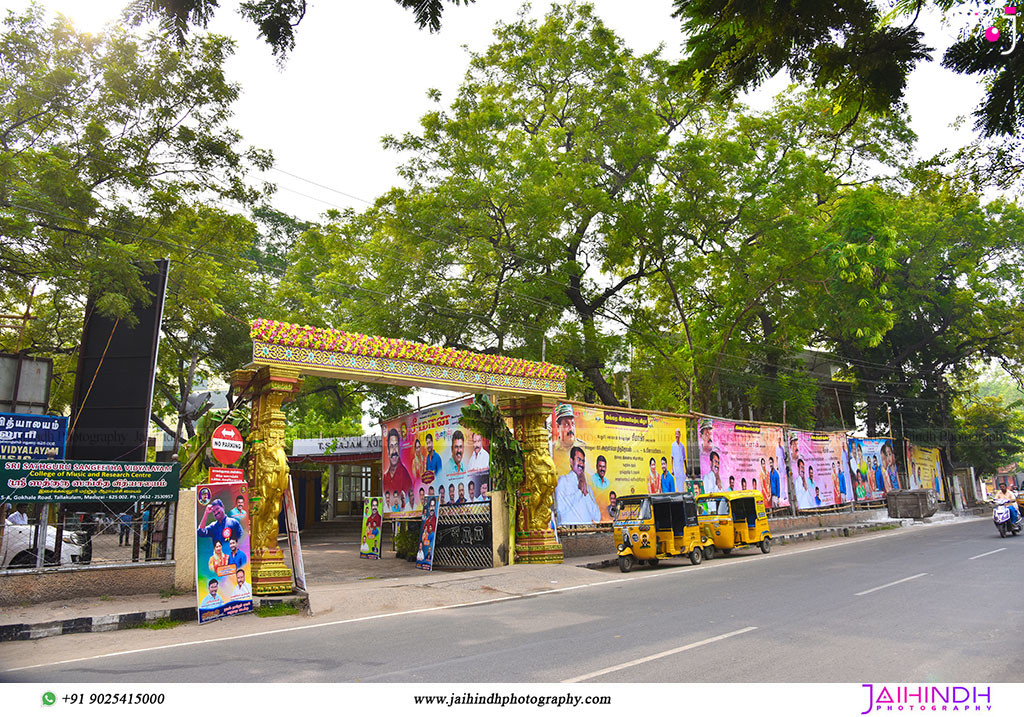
(873, 467)
(28, 437)
(86, 481)
(222, 550)
(819, 478)
(372, 528)
(925, 466)
(600, 454)
(743, 456)
(429, 453)
(428, 532)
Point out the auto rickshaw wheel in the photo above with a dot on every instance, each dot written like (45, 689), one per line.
(697, 555)
(726, 551)
(652, 561)
(766, 545)
(709, 552)
(625, 563)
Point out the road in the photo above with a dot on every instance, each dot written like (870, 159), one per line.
(914, 605)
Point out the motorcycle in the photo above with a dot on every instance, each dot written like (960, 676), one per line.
(1001, 517)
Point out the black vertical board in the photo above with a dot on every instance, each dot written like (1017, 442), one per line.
(114, 383)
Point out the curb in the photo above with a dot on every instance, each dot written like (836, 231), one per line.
(125, 621)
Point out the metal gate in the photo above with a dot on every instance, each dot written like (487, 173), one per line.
(464, 536)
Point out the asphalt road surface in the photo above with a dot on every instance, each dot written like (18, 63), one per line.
(943, 603)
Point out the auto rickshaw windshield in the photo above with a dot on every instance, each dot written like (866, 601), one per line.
(713, 506)
(634, 510)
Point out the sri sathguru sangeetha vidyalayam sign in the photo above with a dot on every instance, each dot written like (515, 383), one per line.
(81, 481)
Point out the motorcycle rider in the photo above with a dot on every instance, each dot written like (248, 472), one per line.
(1006, 494)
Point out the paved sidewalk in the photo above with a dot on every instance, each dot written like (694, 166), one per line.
(338, 579)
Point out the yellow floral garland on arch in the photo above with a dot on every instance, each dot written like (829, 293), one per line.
(312, 337)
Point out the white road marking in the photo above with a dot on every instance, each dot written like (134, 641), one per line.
(889, 585)
(991, 552)
(714, 564)
(666, 653)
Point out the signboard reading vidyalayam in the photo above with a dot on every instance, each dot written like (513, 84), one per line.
(83, 481)
(26, 437)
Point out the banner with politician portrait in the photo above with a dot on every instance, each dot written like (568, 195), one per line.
(223, 569)
(601, 453)
(427, 453)
(873, 468)
(428, 534)
(372, 528)
(820, 469)
(925, 466)
(743, 456)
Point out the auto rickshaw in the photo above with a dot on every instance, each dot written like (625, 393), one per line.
(649, 528)
(734, 519)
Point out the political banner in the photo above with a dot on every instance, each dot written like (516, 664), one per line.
(372, 529)
(925, 466)
(223, 569)
(601, 453)
(873, 467)
(427, 453)
(428, 533)
(743, 456)
(27, 437)
(819, 476)
(86, 481)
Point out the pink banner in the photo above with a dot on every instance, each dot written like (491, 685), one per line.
(743, 456)
(817, 463)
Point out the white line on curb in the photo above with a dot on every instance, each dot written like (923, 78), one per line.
(889, 585)
(666, 653)
(991, 552)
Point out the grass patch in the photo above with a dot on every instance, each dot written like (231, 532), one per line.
(277, 609)
(161, 623)
(105, 597)
(172, 592)
(886, 526)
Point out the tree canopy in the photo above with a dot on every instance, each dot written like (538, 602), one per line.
(276, 20)
(848, 47)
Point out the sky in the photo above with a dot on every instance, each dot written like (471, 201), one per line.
(361, 70)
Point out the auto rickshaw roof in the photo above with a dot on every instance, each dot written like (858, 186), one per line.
(733, 494)
(670, 497)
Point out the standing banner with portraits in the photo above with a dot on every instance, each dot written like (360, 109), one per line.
(601, 453)
(222, 550)
(873, 467)
(820, 469)
(428, 532)
(372, 525)
(743, 456)
(925, 466)
(426, 453)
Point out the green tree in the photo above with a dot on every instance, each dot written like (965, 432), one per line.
(989, 433)
(950, 291)
(277, 20)
(850, 48)
(114, 151)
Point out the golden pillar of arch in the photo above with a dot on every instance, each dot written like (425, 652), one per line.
(269, 387)
(535, 540)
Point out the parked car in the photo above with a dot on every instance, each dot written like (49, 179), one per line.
(16, 550)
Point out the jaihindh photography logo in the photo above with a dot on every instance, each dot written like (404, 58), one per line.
(927, 698)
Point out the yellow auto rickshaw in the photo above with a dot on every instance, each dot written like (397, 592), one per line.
(649, 528)
(734, 519)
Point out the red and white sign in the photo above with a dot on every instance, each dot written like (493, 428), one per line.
(227, 475)
(226, 444)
